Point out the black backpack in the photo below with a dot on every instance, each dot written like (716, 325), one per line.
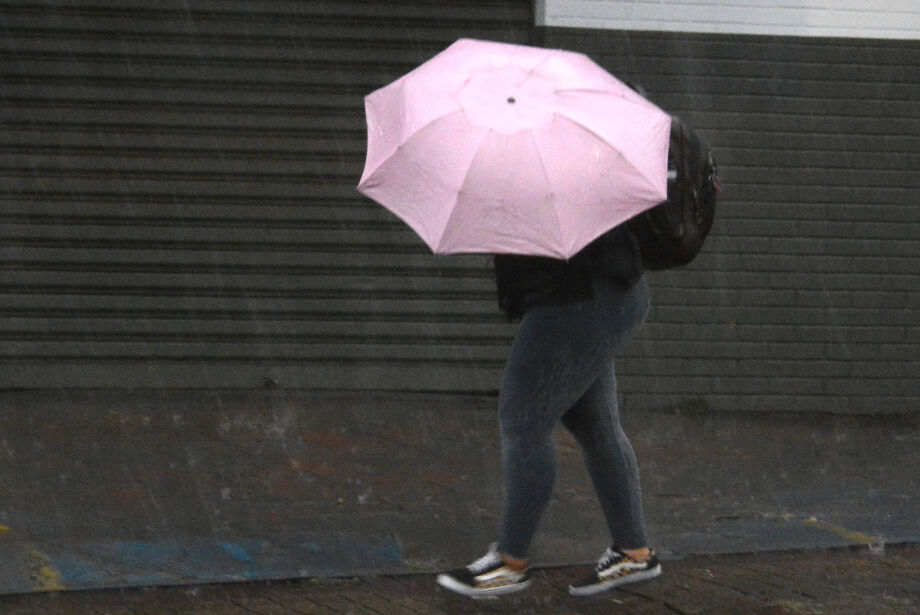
(672, 233)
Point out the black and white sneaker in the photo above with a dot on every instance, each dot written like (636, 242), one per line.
(489, 576)
(615, 568)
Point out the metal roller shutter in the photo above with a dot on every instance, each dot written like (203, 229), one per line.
(805, 296)
(178, 202)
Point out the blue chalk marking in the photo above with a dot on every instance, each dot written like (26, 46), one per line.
(76, 572)
(142, 554)
(339, 555)
(391, 553)
(237, 551)
(138, 563)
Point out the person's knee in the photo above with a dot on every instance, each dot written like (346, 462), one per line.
(524, 415)
(526, 439)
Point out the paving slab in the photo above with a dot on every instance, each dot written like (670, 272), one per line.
(841, 581)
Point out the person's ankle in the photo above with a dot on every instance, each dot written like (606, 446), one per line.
(515, 563)
(640, 555)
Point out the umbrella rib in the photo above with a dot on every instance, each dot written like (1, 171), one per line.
(552, 195)
(459, 191)
(630, 98)
(407, 137)
(603, 140)
(552, 54)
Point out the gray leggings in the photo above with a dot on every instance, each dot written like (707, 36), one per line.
(561, 368)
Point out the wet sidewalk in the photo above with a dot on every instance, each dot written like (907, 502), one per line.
(845, 581)
(118, 490)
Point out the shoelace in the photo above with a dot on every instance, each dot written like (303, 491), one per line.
(609, 558)
(485, 562)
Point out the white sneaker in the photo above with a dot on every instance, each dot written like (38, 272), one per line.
(491, 575)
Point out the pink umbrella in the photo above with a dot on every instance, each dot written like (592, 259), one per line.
(491, 147)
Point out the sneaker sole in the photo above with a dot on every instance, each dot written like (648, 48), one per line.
(448, 582)
(599, 588)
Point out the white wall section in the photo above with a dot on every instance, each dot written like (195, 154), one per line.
(890, 19)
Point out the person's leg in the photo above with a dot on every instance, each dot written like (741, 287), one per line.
(610, 459)
(557, 355)
(532, 397)
(611, 462)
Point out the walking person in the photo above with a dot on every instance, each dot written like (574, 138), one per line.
(530, 153)
(575, 315)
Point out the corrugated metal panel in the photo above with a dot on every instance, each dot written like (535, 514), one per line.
(179, 207)
(806, 296)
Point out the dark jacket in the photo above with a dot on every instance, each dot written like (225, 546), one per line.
(524, 282)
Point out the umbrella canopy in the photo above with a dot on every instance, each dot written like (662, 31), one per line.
(492, 147)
